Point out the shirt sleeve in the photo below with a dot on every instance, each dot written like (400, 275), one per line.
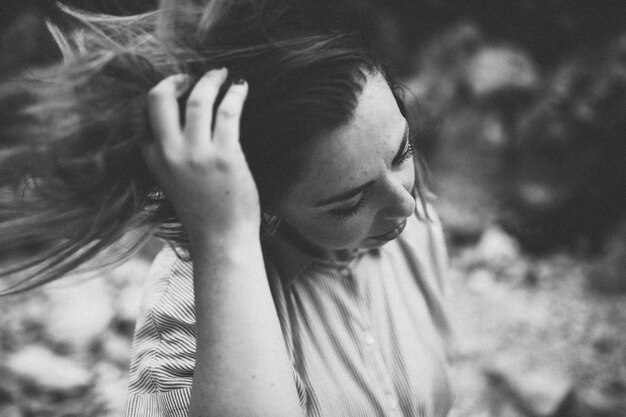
(164, 345)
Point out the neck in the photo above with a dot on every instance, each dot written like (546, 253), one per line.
(290, 235)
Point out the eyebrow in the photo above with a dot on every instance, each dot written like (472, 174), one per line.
(356, 191)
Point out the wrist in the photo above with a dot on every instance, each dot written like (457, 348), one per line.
(224, 239)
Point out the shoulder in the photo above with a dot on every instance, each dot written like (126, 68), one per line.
(163, 353)
(168, 273)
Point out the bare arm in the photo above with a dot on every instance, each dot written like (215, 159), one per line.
(242, 367)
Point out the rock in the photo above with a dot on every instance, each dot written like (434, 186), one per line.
(461, 220)
(117, 349)
(595, 403)
(131, 272)
(518, 272)
(41, 367)
(7, 387)
(604, 340)
(608, 273)
(509, 410)
(10, 411)
(567, 143)
(473, 343)
(496, 248)
(442, 63)
(541, 390)
(79, 314)
(483, 282)
(497, 68)
(111, 389)
(8, 394)
(128, 303)
(129, 278)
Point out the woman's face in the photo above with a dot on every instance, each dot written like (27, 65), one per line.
(357, 189)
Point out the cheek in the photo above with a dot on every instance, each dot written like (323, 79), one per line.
(409, 176)
(337, 234)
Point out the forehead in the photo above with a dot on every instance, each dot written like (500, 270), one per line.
(352, 154)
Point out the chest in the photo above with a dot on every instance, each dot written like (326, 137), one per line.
(366, 340)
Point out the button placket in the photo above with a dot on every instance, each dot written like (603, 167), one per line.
(372, 349)
(368, 338)
(379, 371)
(392, 402)
(345, 272)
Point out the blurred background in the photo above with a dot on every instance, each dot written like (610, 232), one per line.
(521, 112)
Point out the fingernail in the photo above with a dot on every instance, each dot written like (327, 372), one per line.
(216, 70)
(183, 81)
(239, 81)
(180, 78)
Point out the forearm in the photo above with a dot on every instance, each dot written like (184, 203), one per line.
(242, 367)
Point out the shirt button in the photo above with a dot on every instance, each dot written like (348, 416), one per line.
(369, 339)
(393, 404)
(345, 272)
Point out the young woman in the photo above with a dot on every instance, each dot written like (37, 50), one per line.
(249, 116)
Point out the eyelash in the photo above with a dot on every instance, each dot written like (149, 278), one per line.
(348, 212)
(408, 154)
(345, 213)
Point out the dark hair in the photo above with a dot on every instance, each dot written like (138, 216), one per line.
(73, 178)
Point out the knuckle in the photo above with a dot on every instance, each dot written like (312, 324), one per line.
(204, 93)
(197, 160)
(228, 111)
(172, 157)
(201, 99)
(222, 163)
(197, 102)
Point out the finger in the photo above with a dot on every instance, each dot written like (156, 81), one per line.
(163, 109)
(228, 115)
(199, 112)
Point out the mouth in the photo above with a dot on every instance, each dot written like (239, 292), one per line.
(391, 234)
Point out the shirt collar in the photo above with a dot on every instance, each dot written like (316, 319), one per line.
(292, 258)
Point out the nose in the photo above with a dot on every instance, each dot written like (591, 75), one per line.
(399, 202)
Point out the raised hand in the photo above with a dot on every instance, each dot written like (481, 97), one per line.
(203, 171)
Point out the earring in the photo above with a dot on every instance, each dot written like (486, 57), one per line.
(270, 223)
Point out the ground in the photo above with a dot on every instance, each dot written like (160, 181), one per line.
(64, 349)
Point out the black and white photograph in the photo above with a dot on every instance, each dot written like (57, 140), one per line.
(312, 208)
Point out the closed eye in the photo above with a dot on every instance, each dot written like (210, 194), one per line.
(406, 150)
(407, 154)
(345, 212)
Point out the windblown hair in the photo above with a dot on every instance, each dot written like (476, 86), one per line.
(73, 180)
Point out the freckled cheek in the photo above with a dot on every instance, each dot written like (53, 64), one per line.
(408, 177)
(342, 234)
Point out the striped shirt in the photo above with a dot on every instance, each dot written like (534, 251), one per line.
(367, 337)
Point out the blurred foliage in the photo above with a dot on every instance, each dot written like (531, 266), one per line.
(527, 98)
(548, 29)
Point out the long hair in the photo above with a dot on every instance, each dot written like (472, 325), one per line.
(73, 181)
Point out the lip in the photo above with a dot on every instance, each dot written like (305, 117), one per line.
(391, 234)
